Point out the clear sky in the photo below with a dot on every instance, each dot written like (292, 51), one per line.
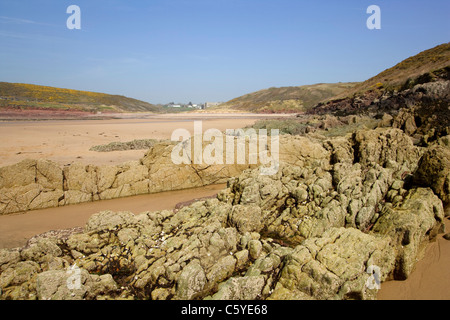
(210, 50)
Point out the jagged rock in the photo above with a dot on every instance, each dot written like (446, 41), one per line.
(49, 175)
(63, 285)
(130, 173)
(336, 207)
(241, 259)
(191, 282)
(75, 197)
(46, 199)
(222, 270)
(434, 171)
(382, 145)
(107, 219)
(411, 225)
(246, 218)
(240, 288)
(19, 273)
(18, 198)
(303, 152)
(254, 249)
(106, 175)
(334, 266)
(386, 121)
(79, 177)
(42, 248)
(17, 175)
(405, 121)
(8, 257)
(341, 150)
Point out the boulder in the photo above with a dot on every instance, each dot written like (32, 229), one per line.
(73, 284)
(246, 218)
(411, 225)
(383, 145)
(105, 220)
(434, 171)
(191, 281)
(241, 288)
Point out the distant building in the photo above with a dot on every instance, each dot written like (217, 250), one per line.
(173, 105)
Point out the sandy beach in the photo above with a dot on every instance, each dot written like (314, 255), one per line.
(67, 141)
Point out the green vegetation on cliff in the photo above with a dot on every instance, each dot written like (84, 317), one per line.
(19, 95)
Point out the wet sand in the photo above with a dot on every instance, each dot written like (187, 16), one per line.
(68, 141)
(16, 229)
(430, 279)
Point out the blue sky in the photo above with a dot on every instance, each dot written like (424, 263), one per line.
(210, 50)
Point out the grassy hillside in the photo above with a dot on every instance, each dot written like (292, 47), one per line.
(286, 99)
(34, 96)
(421, 67)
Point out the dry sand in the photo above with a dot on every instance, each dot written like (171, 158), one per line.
(16, 229)
(68, 141)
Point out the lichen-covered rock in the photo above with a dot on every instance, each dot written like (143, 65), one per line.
(222, 270)
(385, 144)
(410, 225)
(191, 282)
(246, 218)
(434, 171)
(337, 208)
(80, 177)
(334, 266)
(73, 284)
(19, 273)
(8, 257)
(18, 175)
(241, 288)
(107, 219)
(40, 249)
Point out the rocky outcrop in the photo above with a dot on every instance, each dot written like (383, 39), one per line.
(30, 184)
(334, 266)
(37, 184)
(434, 171)
(337, 209)
(410, 225)
(305, 233)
